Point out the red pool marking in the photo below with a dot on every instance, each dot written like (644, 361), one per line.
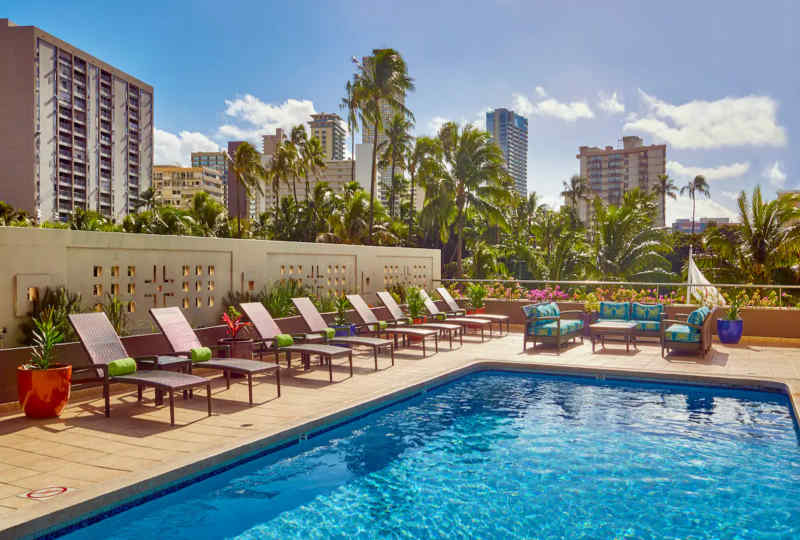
(46, 493)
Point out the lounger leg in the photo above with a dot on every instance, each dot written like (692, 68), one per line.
(278, 379)
(391, 350)
(350, 358)
(171, 407)
(250, 386)
(450, 335)
(423, 346)
(106, 397)
(330, 369)
(436, 342)
(208, 397)
(375, 354)
(227, 378)
(139, 392)
(481, 334)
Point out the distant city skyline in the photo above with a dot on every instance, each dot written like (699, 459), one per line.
(725, 106)
(510, 132)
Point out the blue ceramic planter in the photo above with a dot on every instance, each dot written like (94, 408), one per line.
(729, 331)
(343, 330)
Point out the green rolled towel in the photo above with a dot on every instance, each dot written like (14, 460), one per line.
(284, 340)
(329, 333)
(440, 316)
(383, 325)
(200, 354)
(123, 366)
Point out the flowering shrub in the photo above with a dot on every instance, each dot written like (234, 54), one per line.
(621, 294)
(755, 298)
(547, 295)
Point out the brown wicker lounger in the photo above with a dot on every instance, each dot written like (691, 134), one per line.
(458, 312)
(371, 323)
(317, 325)
(267, 330)
(102, 344)
(182, 339)
(466, 322)
(400, 318)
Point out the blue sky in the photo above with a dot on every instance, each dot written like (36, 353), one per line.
(717, 81)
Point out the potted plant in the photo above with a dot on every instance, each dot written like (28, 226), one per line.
(415, 305)
(239, 345)
(730, 328)
(591, 305)
(341, 323)
(476, 293)
(44, 386)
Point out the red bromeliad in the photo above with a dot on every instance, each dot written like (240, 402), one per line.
(235, 325)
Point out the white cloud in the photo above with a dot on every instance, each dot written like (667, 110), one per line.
(711, 173)
(729, 121)
(548, 106)
(776, 175)
(732, 195)
(682, 208)
(435, 124)
(611, 104)
(253, 118)
(553, 201)
(171, 149)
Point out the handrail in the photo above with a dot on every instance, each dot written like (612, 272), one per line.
(657, 285)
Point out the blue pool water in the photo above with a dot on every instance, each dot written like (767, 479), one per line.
(502, 455)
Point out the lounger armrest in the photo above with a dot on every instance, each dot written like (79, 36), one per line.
(548, 318)
(148, 360)
(573, 312)
(673, 321)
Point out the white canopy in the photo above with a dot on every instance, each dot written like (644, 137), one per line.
(705, 295)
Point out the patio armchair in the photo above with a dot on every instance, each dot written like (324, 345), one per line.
(111, 363)
(545, 323)
(691, 335)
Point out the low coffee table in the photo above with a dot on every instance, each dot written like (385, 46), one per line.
(599, 331)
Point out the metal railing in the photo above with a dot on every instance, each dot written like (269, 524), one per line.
(657, 285)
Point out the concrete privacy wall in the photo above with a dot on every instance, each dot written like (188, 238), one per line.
(192, 272)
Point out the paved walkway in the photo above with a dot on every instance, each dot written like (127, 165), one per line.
(91, 454)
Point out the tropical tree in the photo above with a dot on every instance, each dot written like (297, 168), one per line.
(349, 224)
(561, 251)
(398, 141)
(424, 159)
(210, 216)
(146, 200)
(575, 190)
(350, 105)
(665, 188)
(474, 176)
(382, 80)
(763, 246)
(89, 220)
(11, 217)
(245, 164)
(695, 187)
(313, 158)
(285, 168)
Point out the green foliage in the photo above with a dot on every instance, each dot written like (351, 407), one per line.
(58, 302)
(734, 307)
(476, 292)
(341, 307)
(46, 334)
(414, 302)
(325, 303)
(115, 311)
(277, 299)
(398, 292)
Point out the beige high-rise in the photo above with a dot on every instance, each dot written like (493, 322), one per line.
(75, 132)
(613, 171)
(177, 186)
(327, 127)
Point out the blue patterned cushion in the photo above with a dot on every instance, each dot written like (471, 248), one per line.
(698, 316)
(529, 310)
(648, 326)
(681, 332)
(614, 310)
(646, 312)
(551, 328)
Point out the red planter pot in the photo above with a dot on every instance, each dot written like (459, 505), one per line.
(480, 310)
(43, 393)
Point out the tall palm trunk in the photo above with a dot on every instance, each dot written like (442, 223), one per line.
(353, 153)
(372, 181)
(411, 212)
(391, 200)
(459, 246)
(294, 187)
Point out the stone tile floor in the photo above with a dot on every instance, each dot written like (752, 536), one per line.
(90, 454)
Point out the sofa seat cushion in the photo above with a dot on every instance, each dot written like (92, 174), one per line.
(568, 326)
(682, 333)
(646, 312)
(648, 326)
(615, 310)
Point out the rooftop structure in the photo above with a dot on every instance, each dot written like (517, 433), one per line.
(75, 132)
(328, 128)
(177, 186)
(215, 160)
(700, 225)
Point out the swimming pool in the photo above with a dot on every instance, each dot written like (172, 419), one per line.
(499, 455)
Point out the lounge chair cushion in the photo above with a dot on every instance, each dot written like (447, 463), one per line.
(330, 333)
(284, 340)
(439, 316)
(615, 310)
(123, 366)
(200, 354)
(381, 325)
(550, 328)
(648, 326)
(698, 316)
(646, 312)
(683, 333)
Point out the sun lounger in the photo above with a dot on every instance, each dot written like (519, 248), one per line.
(183, 340)
(270, 334)
(103, 346)
(400, 318)
(371, 323)
(456, 311)
(466, 322)
(321, 332)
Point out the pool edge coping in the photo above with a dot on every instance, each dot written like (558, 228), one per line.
(130, 489)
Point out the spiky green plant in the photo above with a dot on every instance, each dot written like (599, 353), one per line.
(46, 335)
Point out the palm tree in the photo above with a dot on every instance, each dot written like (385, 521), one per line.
(474, 175)
(382, 80)
(577, 189)
(284, 167)
(249, 173)
(350, 105)
(695, 187)
(561, 251)
(398, 145)
(146, 200)
(764, 244)
(298, 139)
(665, 188)
(313, 157)
(349, 224)
(208, 214)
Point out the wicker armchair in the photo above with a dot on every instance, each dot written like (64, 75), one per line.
(546, 324)
(687, 335)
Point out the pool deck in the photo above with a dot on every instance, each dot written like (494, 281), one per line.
(109, 459)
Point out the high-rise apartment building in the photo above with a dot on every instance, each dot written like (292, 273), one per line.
(613, 171)
(510, 131)
(328, 128)
(272, 142)
(215, 160)
(75, 132)
(177, 186)
(337, 173)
